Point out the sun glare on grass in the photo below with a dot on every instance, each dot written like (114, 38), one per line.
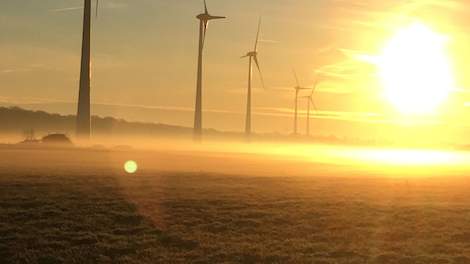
(415, 70)
(130, 166)
(409, 157)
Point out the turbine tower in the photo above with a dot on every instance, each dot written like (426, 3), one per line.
(204, 19)
(310, 103)
(297, 89)
(83, 122)
(252, 57)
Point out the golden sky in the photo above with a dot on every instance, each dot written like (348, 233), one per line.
(144, 62)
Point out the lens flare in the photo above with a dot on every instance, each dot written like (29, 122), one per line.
(130, 166)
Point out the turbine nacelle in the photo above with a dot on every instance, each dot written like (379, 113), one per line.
(251, 54)
(206, 16)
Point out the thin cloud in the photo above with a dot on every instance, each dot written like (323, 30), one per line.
(14, 70)
(106, 5)
(324, 114)
(115, 5)
(269, 41)
(65, 9)
(26, 68)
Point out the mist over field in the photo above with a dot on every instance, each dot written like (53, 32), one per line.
(227, 202)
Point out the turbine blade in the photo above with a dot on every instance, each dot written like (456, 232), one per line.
(257, 35)
(296, 77)
(255, 58)
(205, 7)
(245, 56)
(314, 105)
(97, 8)
(314, 88)
(217, 17)
(206, 25)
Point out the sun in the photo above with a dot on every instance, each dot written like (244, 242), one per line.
(415, 70)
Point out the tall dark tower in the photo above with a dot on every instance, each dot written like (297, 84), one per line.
(83, 126)
(252, 58)
(204, 19)
(198, 108)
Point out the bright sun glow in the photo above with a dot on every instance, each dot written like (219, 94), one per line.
(408, 157)
(415, 70)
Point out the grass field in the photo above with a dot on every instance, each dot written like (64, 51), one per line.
(63, 206)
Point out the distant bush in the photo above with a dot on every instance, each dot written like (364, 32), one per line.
(17, 120)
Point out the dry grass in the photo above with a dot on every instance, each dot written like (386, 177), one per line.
(99, 215)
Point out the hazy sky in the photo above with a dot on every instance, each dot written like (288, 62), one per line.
(144, 57)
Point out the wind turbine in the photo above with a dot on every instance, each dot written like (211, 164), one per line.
(297, 89)
(310, 102)
(204, 19)
(83, 122)
(252, 56)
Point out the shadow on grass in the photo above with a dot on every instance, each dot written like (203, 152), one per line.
(76, 219)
